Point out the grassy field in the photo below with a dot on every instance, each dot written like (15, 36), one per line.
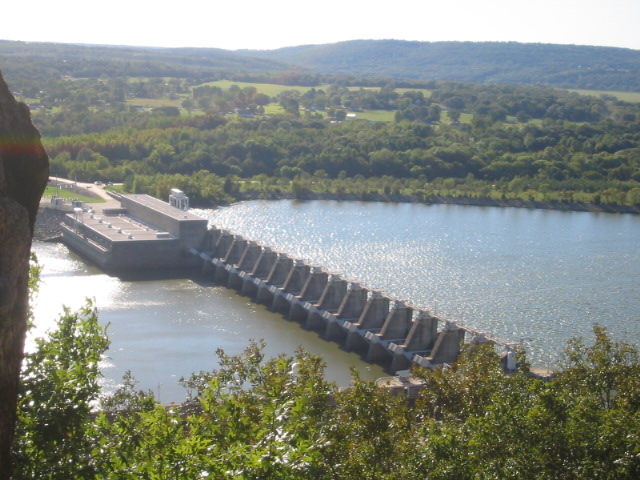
(376, 115)
(631, 97)
(273, 90)
(69, 195)
(267, 88)
(155, 102)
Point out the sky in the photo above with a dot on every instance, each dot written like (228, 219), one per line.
(271, 24)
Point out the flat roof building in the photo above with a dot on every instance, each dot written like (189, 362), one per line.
(144, 234)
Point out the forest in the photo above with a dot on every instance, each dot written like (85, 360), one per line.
(559, 66)
(359, 62)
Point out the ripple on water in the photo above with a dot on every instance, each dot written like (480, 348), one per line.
(521, 274)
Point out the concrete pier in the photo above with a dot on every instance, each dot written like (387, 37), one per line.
(333, 293)
(220, 272)
(315, 318)
(371, 320)
(314, 286)
(264, 264)
(420, 340)
(280, 270)
(447, 346)
(394, 329)
(236, 249)
(329, 302)
(353, 303)
(212, 240)
(249, 286)
(311, 292)
(296, 278)
(225, 239)
(249, 257)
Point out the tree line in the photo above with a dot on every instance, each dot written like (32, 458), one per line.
(548, 156)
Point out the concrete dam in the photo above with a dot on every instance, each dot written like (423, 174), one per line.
(385, 330)
(146, 233)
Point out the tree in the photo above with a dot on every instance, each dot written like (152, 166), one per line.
(60, 383)
(454, 115)
(290, 105)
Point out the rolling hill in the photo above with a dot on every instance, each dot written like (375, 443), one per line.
(565, 66)
(561, 66)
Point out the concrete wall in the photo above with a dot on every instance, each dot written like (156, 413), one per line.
(131, 256)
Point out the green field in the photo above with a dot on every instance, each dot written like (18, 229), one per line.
(267, 88)
(375, 115)
(69, 195)
(155, 102)
(632, 97)
(273, 90)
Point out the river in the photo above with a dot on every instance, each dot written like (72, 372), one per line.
(538, 277)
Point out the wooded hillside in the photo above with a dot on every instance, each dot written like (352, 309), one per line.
(563, 66)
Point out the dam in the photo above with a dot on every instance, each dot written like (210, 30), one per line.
(146, 233)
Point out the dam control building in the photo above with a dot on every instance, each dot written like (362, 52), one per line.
(145, 233)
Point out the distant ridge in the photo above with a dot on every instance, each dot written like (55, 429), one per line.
(548, 65)
(566, 66)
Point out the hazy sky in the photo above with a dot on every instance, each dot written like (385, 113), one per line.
(269, 24)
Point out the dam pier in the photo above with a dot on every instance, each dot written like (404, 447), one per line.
(147, 233)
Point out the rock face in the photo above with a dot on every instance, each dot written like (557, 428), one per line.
(24, 170)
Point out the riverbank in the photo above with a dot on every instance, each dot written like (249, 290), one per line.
(443, 200)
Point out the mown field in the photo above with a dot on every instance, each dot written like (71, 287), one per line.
(68, 195)
(632, 97)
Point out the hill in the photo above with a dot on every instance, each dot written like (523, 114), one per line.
(369, 61)
(47, 61)
(564, 66)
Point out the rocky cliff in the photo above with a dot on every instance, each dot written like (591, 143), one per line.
(24, 170)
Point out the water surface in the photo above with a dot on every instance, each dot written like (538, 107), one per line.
(536, 276)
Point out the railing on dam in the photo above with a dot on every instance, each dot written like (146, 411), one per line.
(385, 330)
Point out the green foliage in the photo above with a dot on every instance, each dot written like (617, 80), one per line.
(60, 382)
(563, 147)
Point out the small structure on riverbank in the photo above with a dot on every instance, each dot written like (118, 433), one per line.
(143, 234)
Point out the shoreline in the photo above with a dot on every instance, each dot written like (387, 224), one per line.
(441, 200)
(47, 226)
